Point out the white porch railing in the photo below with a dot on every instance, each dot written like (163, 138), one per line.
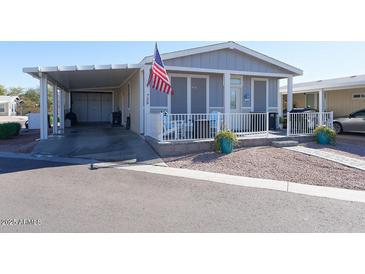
(305, 123)
(179, 127)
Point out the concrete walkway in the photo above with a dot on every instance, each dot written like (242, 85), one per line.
(338, 158)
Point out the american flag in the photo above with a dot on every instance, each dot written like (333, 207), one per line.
(159, 80)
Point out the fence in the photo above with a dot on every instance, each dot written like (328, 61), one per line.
(305, 123)
(178, 127)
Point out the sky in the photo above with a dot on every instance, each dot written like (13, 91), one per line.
(318, 60)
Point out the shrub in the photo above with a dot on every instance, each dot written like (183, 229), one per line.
(8, 130)
(327, 131)
(224, 134)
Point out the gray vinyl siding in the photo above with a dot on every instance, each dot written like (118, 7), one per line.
(226, 59)
(158, 98)
(273, 93)
(216, 91)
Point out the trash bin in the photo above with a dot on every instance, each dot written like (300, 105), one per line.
(272, 120)
(128, 125)
(117, 118)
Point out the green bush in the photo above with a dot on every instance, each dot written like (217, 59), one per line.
(8, 130)
(328, 131)
(224, 134)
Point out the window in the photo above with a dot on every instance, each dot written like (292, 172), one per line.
(358, 96)
(236, 82)
(2, 107)
(129, 96)
(233, 98)
(359, 114)
(310, 100)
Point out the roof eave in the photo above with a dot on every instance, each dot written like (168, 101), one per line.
(226, 45)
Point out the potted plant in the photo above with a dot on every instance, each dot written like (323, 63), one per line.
(325, 135)
(225, 140)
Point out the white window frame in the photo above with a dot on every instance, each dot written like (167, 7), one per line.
(188, 77)
(362, 96)
(253, 92)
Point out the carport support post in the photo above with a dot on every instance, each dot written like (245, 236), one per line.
(55, 108)
(320, 105)
(61, 109)
(43, 107)
(227, 95)
(147, 98)
(289, 103)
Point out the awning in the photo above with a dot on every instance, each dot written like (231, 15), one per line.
(85, 77)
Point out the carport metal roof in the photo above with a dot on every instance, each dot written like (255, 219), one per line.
(355, 81)
(86, 77)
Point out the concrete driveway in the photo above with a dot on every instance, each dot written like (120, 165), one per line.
(103, 142)
(72, 198)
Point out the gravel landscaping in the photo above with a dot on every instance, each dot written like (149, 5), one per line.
(274, 163)
(23, 143)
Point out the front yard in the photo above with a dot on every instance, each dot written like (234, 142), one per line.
(274, 163)
(24, 142)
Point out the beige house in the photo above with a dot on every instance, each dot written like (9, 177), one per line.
(340, 95)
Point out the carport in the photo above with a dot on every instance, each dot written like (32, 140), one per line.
(91, 91)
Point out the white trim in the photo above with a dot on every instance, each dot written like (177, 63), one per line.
(207, 94)
(227, 92)
(253, 92)
(146, 96)
(81, 68)
(300, 90)
(222, 71)
(226, 45)
(141, 102)
(188, 95)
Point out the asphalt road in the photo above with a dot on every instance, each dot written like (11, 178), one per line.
(72, 198)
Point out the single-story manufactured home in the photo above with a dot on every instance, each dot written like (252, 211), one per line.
(8, 105)
(343, 95)
(219, 86)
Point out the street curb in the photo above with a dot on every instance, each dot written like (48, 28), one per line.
(312, 190)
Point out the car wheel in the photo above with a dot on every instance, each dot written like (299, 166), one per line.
(337, 127)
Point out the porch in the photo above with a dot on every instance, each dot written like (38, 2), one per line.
(167, 128)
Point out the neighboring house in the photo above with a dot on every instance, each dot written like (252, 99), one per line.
(340, 95)
(8, 105)
(227, 78)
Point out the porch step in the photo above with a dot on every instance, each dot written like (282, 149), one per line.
(288, 143)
